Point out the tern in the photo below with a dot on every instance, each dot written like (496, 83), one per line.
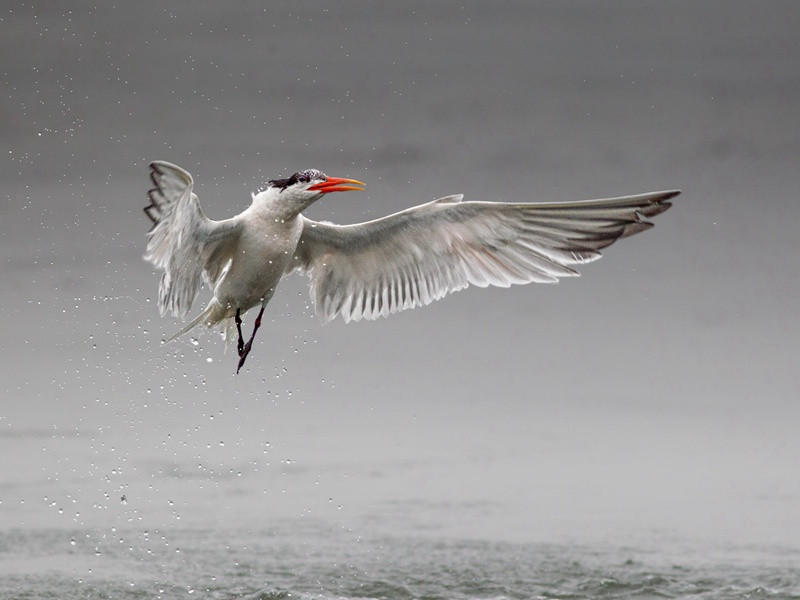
(366, 270)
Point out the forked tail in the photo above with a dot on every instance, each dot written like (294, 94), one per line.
(210, 316)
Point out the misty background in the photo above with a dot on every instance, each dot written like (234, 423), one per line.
(654, 400)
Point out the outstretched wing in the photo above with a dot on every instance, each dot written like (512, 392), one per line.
(421, 254)
(183, 241)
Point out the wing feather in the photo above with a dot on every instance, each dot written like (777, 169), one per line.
(419, 255)
(187, 245)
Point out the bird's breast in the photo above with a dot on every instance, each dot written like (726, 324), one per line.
(265, 249)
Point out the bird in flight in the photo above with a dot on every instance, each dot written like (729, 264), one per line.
(372, 269)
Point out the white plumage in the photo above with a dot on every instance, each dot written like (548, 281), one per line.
(371, 269)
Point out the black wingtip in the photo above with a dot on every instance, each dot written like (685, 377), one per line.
(147, 210)
(153, 206)
(671, 194)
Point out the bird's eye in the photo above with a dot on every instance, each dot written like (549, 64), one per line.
(303, 178)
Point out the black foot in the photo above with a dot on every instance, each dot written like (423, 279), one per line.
(240, 343)
(243, 352)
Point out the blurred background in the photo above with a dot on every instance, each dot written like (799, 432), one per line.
(652, 401)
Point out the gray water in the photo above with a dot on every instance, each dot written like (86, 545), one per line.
(97, 520)
(631, 433)
(308, 559)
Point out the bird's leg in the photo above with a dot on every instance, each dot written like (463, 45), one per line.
(246, 350)
(240, 343)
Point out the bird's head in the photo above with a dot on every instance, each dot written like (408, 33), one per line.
(298, 192)
(315, 182)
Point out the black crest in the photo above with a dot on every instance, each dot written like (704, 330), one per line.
(299, 177)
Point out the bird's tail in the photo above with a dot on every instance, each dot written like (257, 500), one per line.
(212, 314)
(229, 333)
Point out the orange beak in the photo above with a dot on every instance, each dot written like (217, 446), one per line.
(335, 184)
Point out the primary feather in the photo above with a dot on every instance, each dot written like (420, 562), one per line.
(421, 254)
(186, 244)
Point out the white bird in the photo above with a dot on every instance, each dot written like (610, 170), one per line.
(372, 269)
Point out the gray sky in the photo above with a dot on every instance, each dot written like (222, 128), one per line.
(658, 391)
